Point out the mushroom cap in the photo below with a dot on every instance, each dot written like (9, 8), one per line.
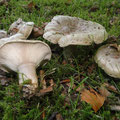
(3, 34)
(66, 30)
(16, 25)
(21, 27)
(15, 53)
(108, 58)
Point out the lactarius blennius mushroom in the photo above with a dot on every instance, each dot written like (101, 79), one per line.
(108, 58)
(20, 29)
(24, 57)
(66, 30)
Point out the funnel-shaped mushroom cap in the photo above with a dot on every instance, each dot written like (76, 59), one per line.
(66, 30)
(24, 57)
(21, 27)
(15, 53)
(3, 34)
(108, 58)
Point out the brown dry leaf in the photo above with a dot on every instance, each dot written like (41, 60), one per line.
(92, 97)
(65, 81)
(80, 88)
(91, 68)
(59, 117)
(69, 85)
(36, 32)
(44, 91)
(64, 62)
(31, 5)
(51, 82)
(104, 92)
(44, 24)
(43, 115)
(110, 87)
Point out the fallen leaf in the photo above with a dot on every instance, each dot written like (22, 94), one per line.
(110, 87)
(36, 32)
(43, 114)
(104, 92)
(65, 81)
(31, 5)
(80, 88)
(51, 82)
(44, 24)
(92, 97)
(64, 62)
(59, 117)
(44, 91)
(91, 68)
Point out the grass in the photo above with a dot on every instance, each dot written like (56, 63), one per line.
(14, 107)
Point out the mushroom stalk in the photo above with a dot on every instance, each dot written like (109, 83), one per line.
(27, 72)
(70, 51)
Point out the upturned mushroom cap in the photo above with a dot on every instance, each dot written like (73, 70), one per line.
(21, 27)
(108, 58)
(66, 30)
(24, 57)
(3, 34)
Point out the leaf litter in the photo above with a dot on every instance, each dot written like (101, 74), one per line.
(92, 97)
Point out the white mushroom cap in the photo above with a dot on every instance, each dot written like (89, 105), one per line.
(24, 57)
(21, 27)
(66, 30)
(3, 34)
(108, 58)
(16, 25)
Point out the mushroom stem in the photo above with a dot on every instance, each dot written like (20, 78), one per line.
(27, 72)
(69, 51)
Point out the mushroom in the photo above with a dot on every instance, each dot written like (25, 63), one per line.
(3, 34)
(66, 31)
(108, 58)
(20, 29)
(24, 57)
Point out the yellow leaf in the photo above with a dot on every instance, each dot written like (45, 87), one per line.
(92, 97)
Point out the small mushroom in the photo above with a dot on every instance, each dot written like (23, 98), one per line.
(108, 58)
(66, 30)
(24, 57)
(3, 34)
(22, 33)
(21, 29)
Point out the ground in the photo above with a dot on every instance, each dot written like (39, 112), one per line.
(63, 100)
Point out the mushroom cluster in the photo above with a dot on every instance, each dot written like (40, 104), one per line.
(23, 56)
